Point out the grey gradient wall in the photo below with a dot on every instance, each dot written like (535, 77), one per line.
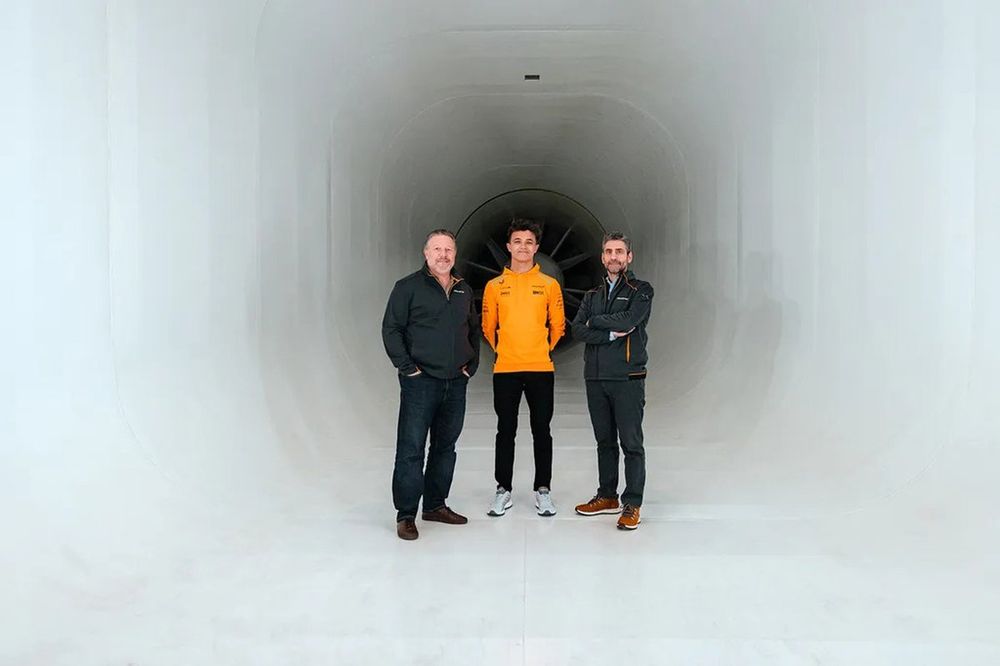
(206, 204)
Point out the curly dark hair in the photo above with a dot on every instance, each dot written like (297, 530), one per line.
(524, 224)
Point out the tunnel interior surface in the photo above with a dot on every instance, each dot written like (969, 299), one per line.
(206, 205)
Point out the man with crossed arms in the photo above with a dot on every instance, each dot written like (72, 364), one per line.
(612, 322)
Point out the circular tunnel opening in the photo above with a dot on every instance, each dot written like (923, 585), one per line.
(570, 247)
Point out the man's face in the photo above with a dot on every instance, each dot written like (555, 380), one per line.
(440, 254)
(522, 246)
(616, 257)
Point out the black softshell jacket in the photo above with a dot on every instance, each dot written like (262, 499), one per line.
(603, 310)
(431, 329)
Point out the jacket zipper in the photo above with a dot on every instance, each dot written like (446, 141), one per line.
(597, 355)
(447, 297)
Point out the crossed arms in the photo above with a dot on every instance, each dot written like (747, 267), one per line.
(604, 328)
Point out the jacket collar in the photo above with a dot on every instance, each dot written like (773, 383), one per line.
(623, 278)
(455, 277)
(628, 275)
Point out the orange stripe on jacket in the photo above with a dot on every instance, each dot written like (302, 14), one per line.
(523, 319)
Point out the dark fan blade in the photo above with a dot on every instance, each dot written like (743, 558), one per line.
(575, 291)
(572, 300)
(559, 245)
(483, 268)
(567, 264)
(499, 255)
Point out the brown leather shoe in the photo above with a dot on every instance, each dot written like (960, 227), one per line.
(444, 515)
(629, 520)
(407, 529)
(599, 505)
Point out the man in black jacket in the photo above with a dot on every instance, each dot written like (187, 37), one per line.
(612, 321)
(431, 334)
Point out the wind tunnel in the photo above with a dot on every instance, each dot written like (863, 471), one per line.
(206, 205)
(569, 249)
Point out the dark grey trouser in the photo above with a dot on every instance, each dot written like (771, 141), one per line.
(616, 409)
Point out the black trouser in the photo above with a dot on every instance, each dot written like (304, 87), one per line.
(539, 388)
(426, 405)
(616, 413)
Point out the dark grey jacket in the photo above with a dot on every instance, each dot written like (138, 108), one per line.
(425, 327)
(601, 312)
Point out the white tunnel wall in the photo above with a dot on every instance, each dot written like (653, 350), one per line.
(60, 425)
(802, 208)
(208, 206)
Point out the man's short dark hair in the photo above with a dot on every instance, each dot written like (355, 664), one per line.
(617, 236)
(439, 232)
(524, 224)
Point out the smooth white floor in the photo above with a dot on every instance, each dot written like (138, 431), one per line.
(320, 578)
(203, 206)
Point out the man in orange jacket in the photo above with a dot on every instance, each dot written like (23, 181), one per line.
(523, 320)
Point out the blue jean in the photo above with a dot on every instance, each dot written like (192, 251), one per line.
(426, 405)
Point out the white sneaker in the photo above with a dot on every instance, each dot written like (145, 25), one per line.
(501, 503)
(543, 502)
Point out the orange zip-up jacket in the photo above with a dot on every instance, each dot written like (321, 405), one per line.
(523, 320)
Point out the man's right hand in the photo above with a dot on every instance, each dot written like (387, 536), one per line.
(419, 371)
(622, 334)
